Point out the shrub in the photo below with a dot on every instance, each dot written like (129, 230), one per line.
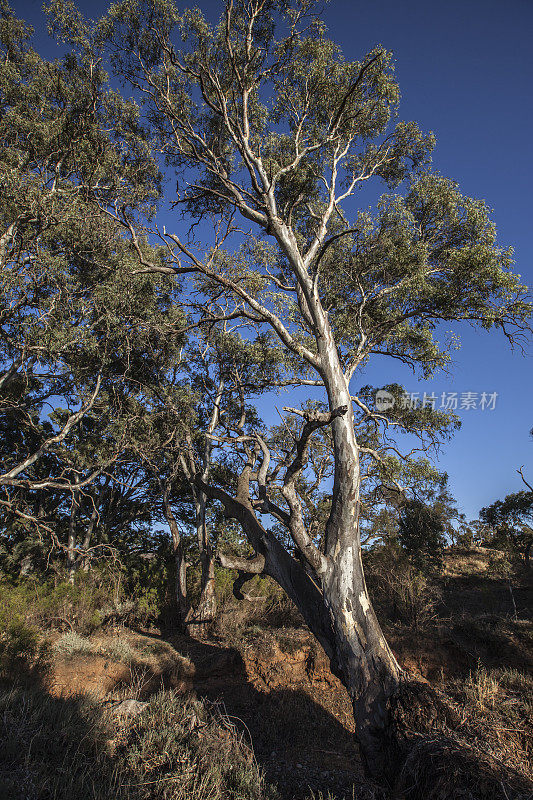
(421, 535)
(120, 651)
(499, 565)
(96, 598)
(78, 605)
(56, 605)
(400, 590)
(59, 747)
(72, 643)
(186, 750)
(270, 608)
(19, 646)
(147, 587)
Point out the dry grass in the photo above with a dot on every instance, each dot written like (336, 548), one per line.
(73, 750)
(120, 650)
(482, 689)
(467, 747)
(480, 749)
(187, 750)
(472, 561)
(71, 644)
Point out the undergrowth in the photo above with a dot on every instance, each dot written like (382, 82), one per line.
(71, 749)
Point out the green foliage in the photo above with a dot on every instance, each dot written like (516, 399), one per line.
(83, 341)
(511, 519)
(474, 533)
(47, 605)
(149, 600)
(95, 599)
(22, 648)
(147, 584)
(499, 565)
(19, 646)
(426, 249)
(421, 535)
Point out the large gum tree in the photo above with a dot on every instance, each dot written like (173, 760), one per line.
(271, 134)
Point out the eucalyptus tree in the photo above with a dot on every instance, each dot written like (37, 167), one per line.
(43, 223)
(36, 298)
(512, 518)
(272, 133)
(194, 406)
(80, 336)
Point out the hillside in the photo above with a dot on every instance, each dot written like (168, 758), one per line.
(253, 711)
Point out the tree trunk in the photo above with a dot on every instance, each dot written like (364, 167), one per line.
(87, 540)
(205, 612)
(207, 606)
(71, 546)
(527, 554)
(363, 658)
(92, 524)
(338, 612)
(341, 614)
(182, 603)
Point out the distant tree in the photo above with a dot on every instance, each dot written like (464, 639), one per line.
(421, 535)
(474, 533)
(512, 518)
(382, 502)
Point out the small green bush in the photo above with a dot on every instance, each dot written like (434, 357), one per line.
(20, 641)
(78, 605)
(55, 604)
(147, 587)
(19, 645)
(94, 600)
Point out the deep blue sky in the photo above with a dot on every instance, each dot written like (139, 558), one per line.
(465, 68)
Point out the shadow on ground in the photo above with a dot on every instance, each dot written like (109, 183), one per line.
(52, 747)
(300, 745)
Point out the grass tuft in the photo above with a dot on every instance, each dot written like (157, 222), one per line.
(482, 689)
(72, 644)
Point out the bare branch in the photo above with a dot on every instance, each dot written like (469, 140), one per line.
(529, 486)
(314, 420)
(252, 566)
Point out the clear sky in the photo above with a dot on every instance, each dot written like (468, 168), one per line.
(465, 69)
